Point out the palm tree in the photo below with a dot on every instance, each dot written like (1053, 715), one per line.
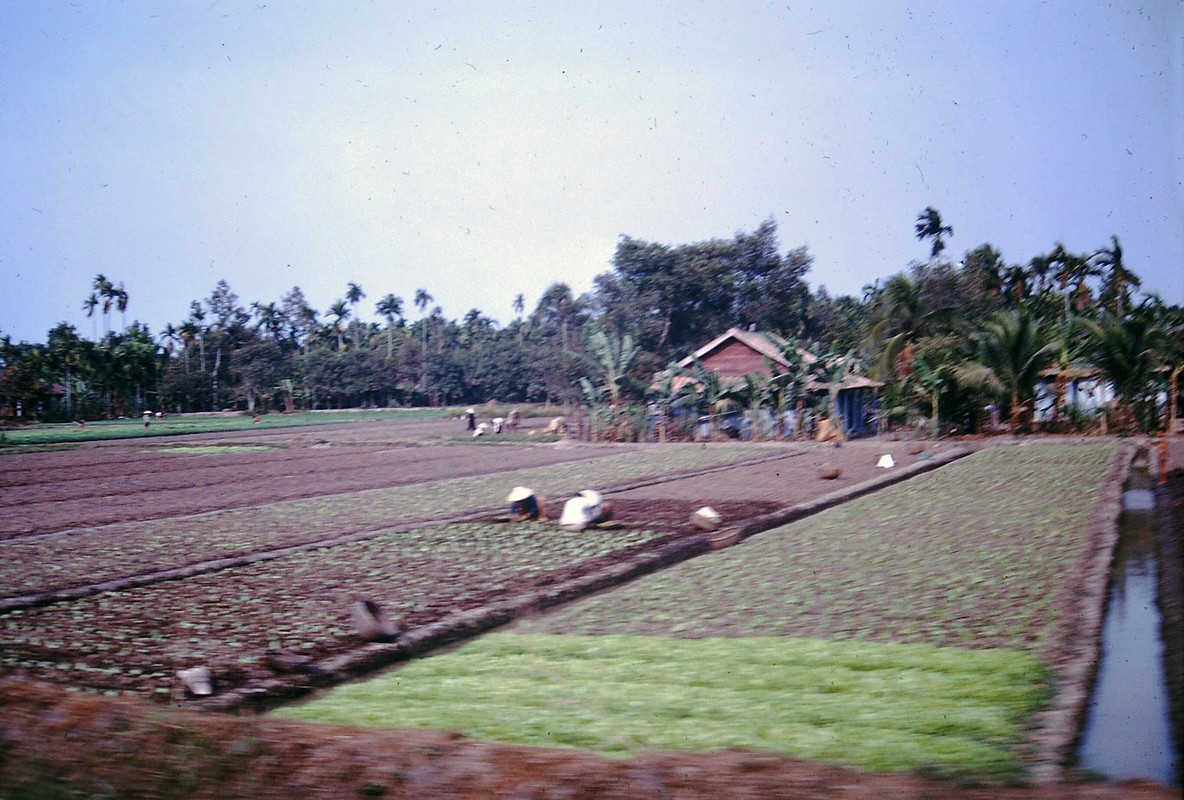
(188, 331)
(89, 305)
(1012, 351)
(1127, 352)
(932, 381)
(899, 318)
(197, 316)
(341, 312)
(104, 292)
(1071, 271)
(390, 307)
(119, 294)
(354, 294)
(269, 319)
(519, 304)
(929, 226)
(170, 335)
(422, 301)
(1016, 285)
(1117, 280)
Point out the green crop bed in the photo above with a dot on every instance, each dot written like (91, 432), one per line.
(174, 425)
(883, 707)
(973, 555)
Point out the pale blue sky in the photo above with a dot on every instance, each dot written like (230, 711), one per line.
(482, 149)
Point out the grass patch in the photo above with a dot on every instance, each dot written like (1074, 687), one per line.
(210, 449)
(41, 435)
(882, 707)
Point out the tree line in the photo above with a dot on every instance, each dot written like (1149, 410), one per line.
(947, 338)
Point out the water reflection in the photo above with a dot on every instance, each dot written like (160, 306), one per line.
(1128, 725)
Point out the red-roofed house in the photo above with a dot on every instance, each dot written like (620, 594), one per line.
(737, 353)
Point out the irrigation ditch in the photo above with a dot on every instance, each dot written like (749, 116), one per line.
(1132, 725)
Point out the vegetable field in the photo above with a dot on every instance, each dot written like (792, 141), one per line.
(178, 569)
(908, 629)
(905, 630)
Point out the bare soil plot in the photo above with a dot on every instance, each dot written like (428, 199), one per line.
(65, 562)
(157, 479)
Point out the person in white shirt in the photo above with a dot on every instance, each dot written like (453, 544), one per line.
(585, 509)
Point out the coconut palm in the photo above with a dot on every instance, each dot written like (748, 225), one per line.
(1071, 270)
(1128, 353)
(339, 310)
(188, 332)
(929, 226)
(105, 293)
(390, 307)
(89, 305)
(932, 381)
(354, 295)
(268, 319)
(170, 336)
(1012, 350)
(1117, 280)
(197, 316)
(422, 301)
(120, 296)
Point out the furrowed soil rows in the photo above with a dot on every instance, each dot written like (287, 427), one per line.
(98, 641)
(54, 491)
(57, 562)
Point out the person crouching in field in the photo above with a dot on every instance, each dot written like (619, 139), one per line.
(525, 504)
(585, 509)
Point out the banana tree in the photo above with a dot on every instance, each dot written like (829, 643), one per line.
(612, 357)
(932, 381)
(668, 394)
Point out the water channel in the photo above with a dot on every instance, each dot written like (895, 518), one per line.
(1128, 726)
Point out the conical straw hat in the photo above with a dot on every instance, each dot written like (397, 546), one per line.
(518, 493)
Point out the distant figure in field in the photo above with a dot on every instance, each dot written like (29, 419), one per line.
(512, 421)
(471, 415)
(525, 504)
(147, 418)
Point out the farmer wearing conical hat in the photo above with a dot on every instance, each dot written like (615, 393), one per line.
(525, 504)
(585, 509)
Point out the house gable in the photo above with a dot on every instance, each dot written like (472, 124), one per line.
(737, 353)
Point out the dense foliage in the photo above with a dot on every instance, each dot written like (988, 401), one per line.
(936, 333)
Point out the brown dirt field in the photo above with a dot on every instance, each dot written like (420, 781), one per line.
(132, 481)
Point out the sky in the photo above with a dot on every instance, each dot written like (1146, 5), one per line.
(482, 150)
